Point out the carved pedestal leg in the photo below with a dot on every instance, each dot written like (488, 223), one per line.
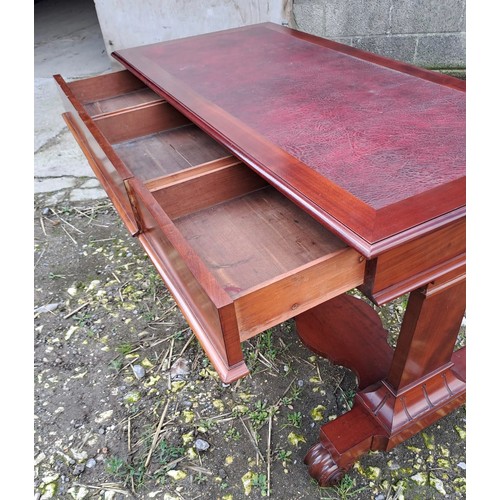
(400, 393)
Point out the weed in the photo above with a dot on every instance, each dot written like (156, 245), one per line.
(136, 474)
(344, 490)
(116, 466)
(284, 456)
(294, 419)
(233, 433)
(165, 452)
(84, 319)
(293, 395)
(206, 424)
(266, 346)
(200, 478)
(125, 348)
(348, 397)
(260, 481)
(116, 364)
(259, 415)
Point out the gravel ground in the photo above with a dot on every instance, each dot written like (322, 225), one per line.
(127, 405)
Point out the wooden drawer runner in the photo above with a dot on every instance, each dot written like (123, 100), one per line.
(237, 255)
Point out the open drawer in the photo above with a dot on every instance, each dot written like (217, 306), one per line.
(125, 130)
(237, 255)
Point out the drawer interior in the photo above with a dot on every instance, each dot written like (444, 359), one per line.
(167, 151)
(111, 92)
(244, 230)
(149, 135)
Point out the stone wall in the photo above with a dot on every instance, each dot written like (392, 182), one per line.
(428, 33)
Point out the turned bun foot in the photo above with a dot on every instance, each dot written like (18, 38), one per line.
(322, 467)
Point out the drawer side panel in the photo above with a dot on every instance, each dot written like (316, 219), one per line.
(212, 325)
(107, 167)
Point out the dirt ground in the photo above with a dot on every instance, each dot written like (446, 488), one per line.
(127, 405)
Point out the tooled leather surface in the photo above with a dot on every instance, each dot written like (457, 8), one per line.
(380, 134)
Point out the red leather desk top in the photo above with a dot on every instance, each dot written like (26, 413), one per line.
(372, 148)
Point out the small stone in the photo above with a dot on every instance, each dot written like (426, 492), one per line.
(40, 458)
(49, 491)
(300, 383)
(78, 469)
(180, 369)
(51, 478)
(91, 463)
(79, 455)
(46, 211)
(201, 445)
(139, 371)
(462, 465)
(105, 415)
(78, 493)
(393, 465)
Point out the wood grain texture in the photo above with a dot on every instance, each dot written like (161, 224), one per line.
(106, 165)
(207, 309)
(201, 188)
(391, 139)
(110, 86)
(415, 263)
(249, 240)
(297, 291)
(168, 151)
(120, 102)
(140, 120)
(356, 337)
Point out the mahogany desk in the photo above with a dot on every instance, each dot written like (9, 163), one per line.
(266, 172)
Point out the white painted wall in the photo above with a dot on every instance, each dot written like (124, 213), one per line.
(130, 23)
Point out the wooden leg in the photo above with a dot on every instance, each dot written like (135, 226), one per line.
(400, 393)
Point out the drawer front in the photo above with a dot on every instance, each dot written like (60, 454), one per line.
(416, 263)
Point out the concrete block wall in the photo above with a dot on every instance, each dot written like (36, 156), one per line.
(427, 33)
